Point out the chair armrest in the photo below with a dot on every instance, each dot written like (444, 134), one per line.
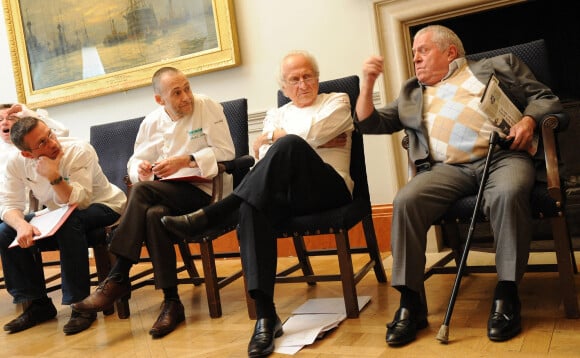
(240, 163)
(549, 124)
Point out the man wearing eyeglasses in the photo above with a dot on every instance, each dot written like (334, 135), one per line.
(9, 114)
(58, 174)
(303, 167)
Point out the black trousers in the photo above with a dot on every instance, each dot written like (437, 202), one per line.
(290, 180)
(141, 223)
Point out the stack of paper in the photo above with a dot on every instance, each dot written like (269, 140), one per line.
(311, 321)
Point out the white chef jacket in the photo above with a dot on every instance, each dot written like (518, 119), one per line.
(329, 116)
(205, 134)
(79, 166)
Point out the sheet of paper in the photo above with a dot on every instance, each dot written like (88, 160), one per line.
(49, 222)
(311, 321)
(303, 329)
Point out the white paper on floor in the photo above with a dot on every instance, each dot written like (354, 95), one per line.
(311, 321)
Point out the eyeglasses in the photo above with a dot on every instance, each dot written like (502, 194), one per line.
(44, 142)
(306, 79)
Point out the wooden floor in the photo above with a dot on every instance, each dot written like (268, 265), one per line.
(545, 330)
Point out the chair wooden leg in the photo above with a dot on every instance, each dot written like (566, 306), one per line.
(565, 270)
(347, 274)
(305, 265)
(373, 247)
(187, 258)
(121, 305)
(103, 266)
(250, 303)
(211, 279)
(572, 256)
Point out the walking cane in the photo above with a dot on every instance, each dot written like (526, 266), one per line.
(443, 335)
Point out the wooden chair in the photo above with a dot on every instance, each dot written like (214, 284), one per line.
(236, 113)
(338, 222)
(117, 153)
(547, 199)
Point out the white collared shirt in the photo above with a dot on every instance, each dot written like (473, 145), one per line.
(204, 134)
(79, 166)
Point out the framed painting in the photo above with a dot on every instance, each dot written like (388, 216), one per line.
(69, 50)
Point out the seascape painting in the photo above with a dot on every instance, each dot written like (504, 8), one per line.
(116, 43)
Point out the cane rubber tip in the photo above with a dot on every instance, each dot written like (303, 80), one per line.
(443, 335)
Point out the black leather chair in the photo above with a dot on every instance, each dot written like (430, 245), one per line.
(114, 155)
(547, 199)
(337, 222)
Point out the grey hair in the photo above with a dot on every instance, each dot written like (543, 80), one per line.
(302, 53)
(443, 37)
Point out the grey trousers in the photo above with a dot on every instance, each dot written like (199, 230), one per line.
(506, 201)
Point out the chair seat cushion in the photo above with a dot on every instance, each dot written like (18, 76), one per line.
(229, 223)
(543, 206)
(326, 222)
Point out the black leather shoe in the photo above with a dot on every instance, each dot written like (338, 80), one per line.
(110, 290)
(403, 329)
(186, 225)
(36, 313)
(262, 342)
(78, 322)
(172, 314)
(505, 321)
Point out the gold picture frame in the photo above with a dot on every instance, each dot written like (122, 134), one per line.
(68, 50)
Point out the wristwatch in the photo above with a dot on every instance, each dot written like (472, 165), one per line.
(56, 181)
(270, 137)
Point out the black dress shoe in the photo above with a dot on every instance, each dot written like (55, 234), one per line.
(262, 342)
(185, 226)
(37, 312)
(505, 320)
(172, 314)
(78, 322)
(403, 329)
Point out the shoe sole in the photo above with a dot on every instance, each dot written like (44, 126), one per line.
(504, 338)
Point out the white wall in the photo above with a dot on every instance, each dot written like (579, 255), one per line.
(340, 33)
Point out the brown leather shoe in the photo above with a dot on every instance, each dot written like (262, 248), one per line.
(110, 290)
(78, 322)
(172, 314)
(36, 313)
